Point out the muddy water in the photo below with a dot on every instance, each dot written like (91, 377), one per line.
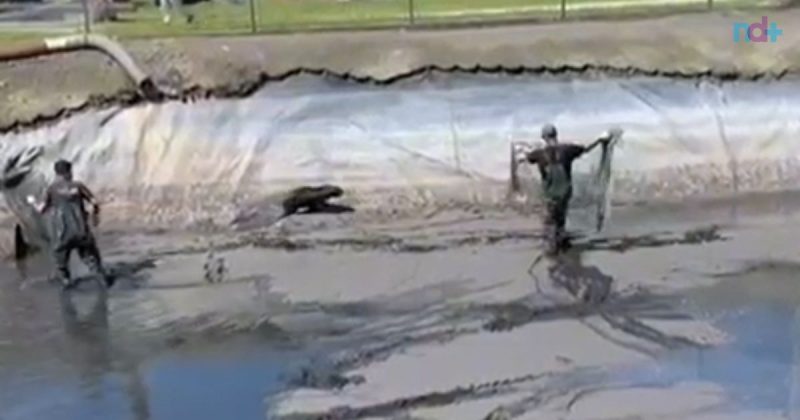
(757, 367)
(755, 300)
(88, 355)
(759, 306)
(222, 382)
(85, 357)
(166, 345)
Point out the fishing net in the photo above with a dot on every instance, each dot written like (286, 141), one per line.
(601, 182)
(518, 150)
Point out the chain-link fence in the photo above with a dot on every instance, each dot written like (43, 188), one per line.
(155, 18)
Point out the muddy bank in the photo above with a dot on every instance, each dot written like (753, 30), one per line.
(685, 44)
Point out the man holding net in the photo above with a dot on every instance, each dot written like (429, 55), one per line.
(555, 168)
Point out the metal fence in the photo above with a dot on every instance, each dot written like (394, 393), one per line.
(145, 18)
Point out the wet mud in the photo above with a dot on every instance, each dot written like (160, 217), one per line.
(589, 294)
(287, 320)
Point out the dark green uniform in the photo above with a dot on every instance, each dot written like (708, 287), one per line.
(555, 169)
(69, 227)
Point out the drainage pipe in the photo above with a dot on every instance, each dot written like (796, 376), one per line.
(90, 41)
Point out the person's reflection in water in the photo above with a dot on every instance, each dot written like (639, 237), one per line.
(584, 282)
(88, 343)
(90, 349)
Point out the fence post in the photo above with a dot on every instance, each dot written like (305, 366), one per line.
(253, 26)
(411, 13)
(563, 9)
(86, 17)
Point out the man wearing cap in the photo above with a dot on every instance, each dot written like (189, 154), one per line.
(69, 223)
(555, 168)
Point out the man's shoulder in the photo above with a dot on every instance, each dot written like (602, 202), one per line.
(536, 152)
(559, 148)
(571, 150)
(63, 185)
(56, 184)
(536, 155)
(570, 146)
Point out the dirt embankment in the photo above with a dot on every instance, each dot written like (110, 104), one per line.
(685, 45)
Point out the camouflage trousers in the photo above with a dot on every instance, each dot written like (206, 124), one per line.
(555, 223)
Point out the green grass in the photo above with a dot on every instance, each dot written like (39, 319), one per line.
(221, 18)
(10, 40)
(270, 15)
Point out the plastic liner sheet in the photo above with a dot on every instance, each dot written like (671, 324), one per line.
(442, 133)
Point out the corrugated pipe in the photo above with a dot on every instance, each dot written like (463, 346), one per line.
(90, 41)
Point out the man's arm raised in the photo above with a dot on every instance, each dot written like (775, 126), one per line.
(603, 139)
